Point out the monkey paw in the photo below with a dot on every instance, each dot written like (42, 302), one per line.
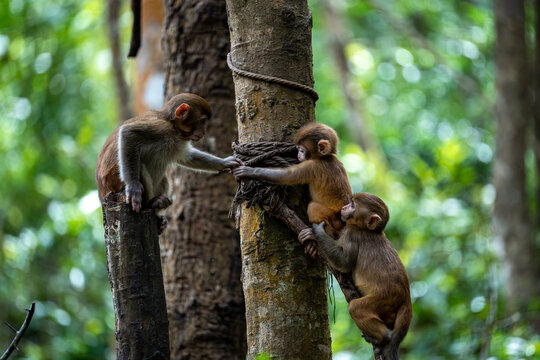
(160, 202)
(372, 340)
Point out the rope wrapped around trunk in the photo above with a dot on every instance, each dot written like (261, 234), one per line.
(263, 154)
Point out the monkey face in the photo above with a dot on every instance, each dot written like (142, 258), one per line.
(302, 153)
(347, 212)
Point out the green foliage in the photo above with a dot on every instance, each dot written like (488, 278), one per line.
(56, 110)
(423, 74)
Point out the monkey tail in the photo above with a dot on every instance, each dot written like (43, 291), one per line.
(403, 320)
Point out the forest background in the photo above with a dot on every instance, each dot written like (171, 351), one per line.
(419, 76)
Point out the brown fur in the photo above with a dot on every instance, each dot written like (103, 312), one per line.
(327, 179)
(136, 155)
(377, 272)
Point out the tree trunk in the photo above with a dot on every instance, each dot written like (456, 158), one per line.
(134, 267)
(202, 262)
(536, 109)
(336, 42)
(123, 96)
(285, 291)
(512, 227)
(150, 78)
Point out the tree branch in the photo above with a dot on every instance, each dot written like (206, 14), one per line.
(19, 334)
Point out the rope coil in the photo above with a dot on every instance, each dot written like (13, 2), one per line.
(294, 85)
(263, 154)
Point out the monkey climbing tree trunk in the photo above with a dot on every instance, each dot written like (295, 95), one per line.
(512, 225)
(285, 291)
(134, 267)
(202, 264)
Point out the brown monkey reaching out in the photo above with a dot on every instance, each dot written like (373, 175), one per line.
(319, 168)
(377, 271)
(137, 154)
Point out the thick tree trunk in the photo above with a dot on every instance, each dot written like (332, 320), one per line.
(134, 267)
(285, 291)
(202, 262)
(512, 227)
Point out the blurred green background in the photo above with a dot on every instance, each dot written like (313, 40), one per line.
(426, 99)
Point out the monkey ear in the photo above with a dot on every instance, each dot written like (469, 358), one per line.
(373, 221)
(182, 111)
(324, 147)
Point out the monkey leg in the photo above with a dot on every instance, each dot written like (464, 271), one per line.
(364, 313)
(318, 213)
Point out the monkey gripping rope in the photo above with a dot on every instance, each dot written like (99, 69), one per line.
(263, 154)
(294, 85)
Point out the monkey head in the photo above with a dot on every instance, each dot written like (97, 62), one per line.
(315, 140)
(189, 113)
(366, 211)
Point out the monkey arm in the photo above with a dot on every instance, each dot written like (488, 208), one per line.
(292, 175)
(129, 155)
(341, 254)
(200, 160)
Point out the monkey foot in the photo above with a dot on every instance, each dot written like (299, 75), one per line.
(375, 342)
(162, 224)
(160, 202)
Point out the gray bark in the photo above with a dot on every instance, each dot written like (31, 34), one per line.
(285, 291)
(134, 267)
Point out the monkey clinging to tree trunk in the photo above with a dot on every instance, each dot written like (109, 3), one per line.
(384, 311)
(136, 155)
(319, 168)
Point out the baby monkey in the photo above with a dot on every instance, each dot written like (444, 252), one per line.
(319, 168)
(137, 154)
(377, 271)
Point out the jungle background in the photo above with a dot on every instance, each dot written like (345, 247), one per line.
(418, 75)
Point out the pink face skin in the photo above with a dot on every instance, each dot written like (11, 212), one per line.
(347, 211)
(302, 153)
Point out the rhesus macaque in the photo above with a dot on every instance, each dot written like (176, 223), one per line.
(137, 154)
(319, 168)
(377, 271)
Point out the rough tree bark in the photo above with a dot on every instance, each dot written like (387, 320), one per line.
(202, 263)
(512, 227)
(285, 291)
(134, 267)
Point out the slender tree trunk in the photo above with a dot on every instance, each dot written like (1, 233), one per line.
(512, 227)
(285, 292)
(134, 268)
(336, 40)
(113, 14)
(202, 262)
(150, 78)
(536, 110)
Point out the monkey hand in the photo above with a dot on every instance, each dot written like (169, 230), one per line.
(243, 171)
(306, 235)
(318, 229)
(134, 192)
(231, 162)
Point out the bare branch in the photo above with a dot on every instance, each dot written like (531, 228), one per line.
(19, 334)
